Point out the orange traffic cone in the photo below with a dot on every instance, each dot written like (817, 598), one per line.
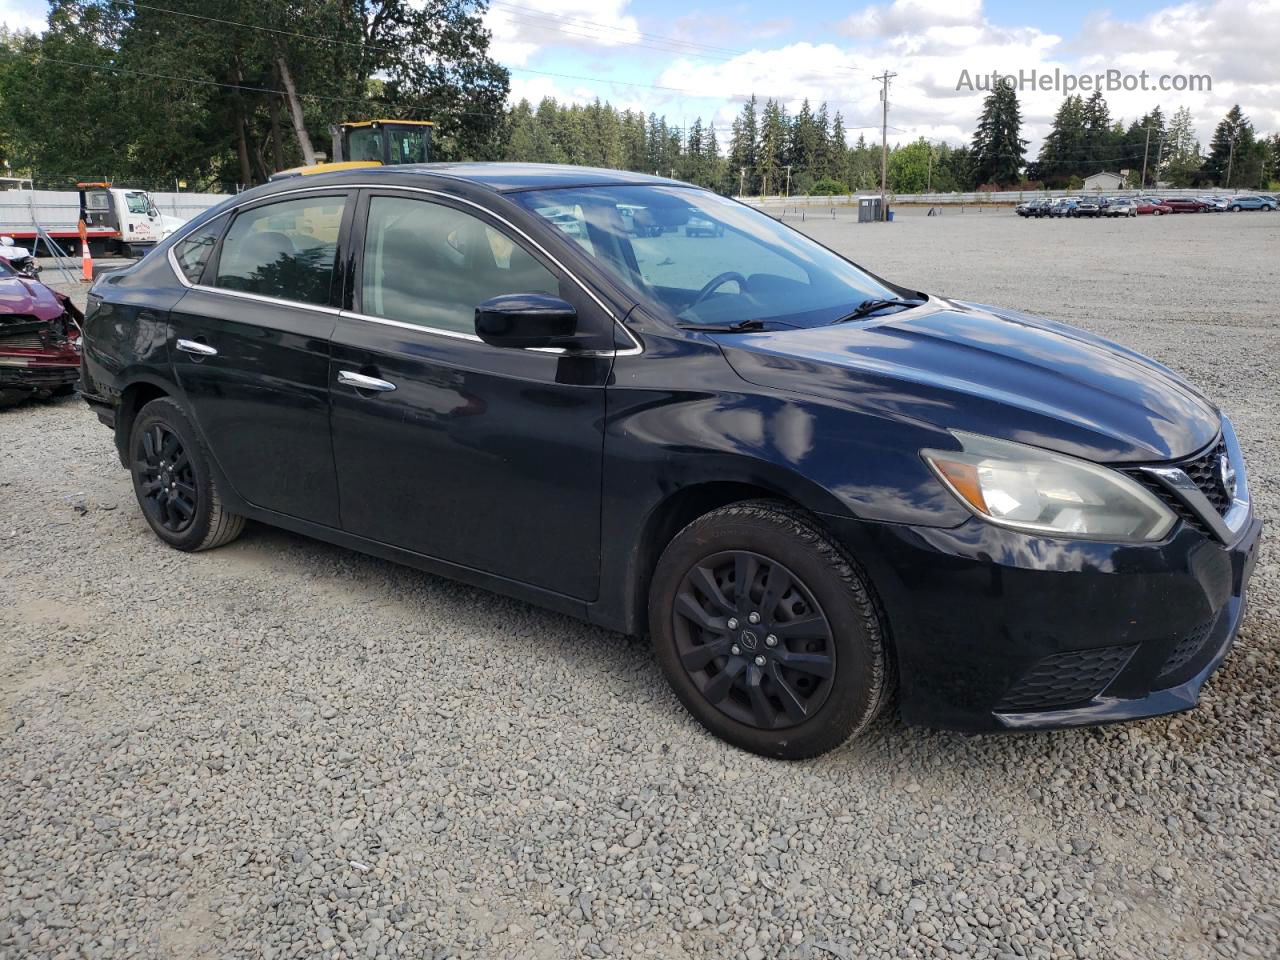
(86, 263)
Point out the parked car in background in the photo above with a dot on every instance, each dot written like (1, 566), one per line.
(1088, 207)
(1271, 199)
(703, 227)
(1185, 205)
(808, 485)
(1121, 207)
(1215, 204)
(1152, 205)
(39, 339)
(20, 258)
(1063, 207)
(1248, 201)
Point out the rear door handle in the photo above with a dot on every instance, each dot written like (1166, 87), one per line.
(197, 348)
(361, 382)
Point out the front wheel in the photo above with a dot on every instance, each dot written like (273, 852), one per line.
(767, 631)
(1236, 208)
(173, 483)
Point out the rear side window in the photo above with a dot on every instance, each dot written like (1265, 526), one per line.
(431, 265)
(192, 252)
(284, 250)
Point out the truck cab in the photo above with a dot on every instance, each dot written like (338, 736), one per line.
(132, 215)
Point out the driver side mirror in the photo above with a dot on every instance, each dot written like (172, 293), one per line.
(524, 320)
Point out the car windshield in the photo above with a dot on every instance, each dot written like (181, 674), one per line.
(5, 270)
(703, 259)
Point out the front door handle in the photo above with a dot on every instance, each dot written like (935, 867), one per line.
(196, 348)
(361, 382)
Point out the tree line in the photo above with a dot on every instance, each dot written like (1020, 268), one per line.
(223, 95)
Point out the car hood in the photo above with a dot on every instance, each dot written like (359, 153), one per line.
(954, 365)
(29, 298)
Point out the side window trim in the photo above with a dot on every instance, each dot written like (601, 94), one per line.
(488, 219)
(634, 347)
(335, 279)
(176, 265)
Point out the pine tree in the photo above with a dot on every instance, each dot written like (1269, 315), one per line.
(743, 145)
(1230, 150)
(772, 155)
(998, 150)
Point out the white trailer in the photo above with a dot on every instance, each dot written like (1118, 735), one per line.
(117, 220)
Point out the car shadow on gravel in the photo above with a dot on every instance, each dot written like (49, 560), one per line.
(623, 667)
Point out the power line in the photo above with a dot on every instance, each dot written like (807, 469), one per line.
(530, 70)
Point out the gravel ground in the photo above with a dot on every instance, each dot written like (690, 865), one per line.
(284, 749)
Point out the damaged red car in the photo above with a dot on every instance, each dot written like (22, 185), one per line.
(39, 339)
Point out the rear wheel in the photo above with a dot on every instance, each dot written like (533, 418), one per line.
(767, 631)
(173, 483)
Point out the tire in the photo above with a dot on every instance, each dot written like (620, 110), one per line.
(767, 704)
(176, 490)
(1236, 208)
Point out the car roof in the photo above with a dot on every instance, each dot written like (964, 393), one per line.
(509, 177)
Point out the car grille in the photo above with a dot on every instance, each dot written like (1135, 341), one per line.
(21, 341)
(1185, 650)
(1065, 679)
(1204, 473)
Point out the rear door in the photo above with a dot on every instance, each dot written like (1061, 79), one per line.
(250, 348)
(483, 456)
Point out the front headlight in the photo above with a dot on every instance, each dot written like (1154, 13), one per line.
(1039, 491)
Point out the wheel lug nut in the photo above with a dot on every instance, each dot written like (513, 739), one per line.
(759, 661)
(733, 623)
(753, 618)
(771, 641)
(735, 650)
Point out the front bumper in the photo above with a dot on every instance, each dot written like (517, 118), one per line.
(34, 374)
(997, 630)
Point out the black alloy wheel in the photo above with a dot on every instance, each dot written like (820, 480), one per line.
(166, 480)
(753, 640)
(768, 631)
(172, 480)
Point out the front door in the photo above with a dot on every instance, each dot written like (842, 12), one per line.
(250, 349)
(481, 456)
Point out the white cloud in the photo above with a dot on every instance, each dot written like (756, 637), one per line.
(522, 27)
(911, 17)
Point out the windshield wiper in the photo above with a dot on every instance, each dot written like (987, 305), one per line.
(875, 305)
(738, 326)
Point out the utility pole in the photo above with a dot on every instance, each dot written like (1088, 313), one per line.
(742, 180)
(788, 193)
(1231, 155)
(884, 79)
(1159, 155)
(1145, 148)
(928, 183)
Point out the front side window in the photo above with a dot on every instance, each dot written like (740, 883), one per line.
(430, 265)
(192, 251)
(138, 202)
(704, 259)
(284, 250)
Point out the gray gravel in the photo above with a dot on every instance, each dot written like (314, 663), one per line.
(283, 749)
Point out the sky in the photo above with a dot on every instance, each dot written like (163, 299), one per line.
(701, 58)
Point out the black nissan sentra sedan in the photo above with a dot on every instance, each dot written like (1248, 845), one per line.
(812, 487)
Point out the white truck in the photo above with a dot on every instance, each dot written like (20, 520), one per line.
(117, 220)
